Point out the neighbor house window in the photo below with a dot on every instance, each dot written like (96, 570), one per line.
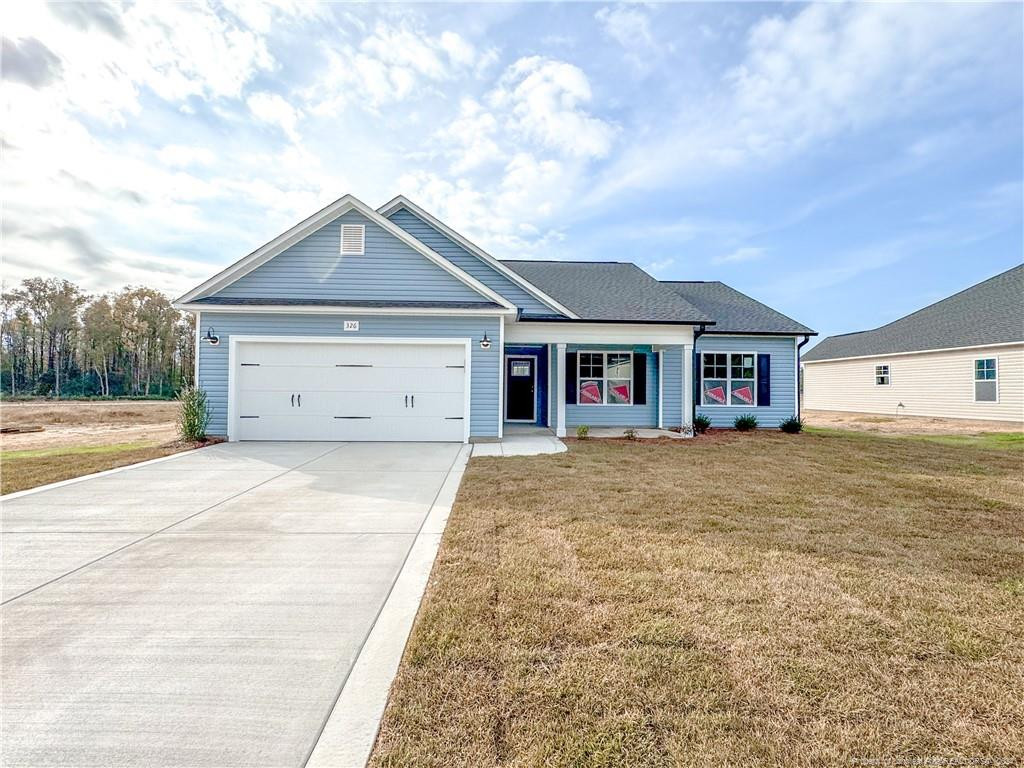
(605, 378)
(986, 381)
(729, 378)
(881, 375)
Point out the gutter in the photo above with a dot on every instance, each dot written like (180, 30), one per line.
(798, 381)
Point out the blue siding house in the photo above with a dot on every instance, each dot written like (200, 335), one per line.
(386, 324)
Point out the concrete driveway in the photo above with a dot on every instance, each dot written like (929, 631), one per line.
(204, 610)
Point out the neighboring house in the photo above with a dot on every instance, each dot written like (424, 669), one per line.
(359, 324)
(962, 357)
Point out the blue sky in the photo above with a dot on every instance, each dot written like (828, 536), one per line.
(846, 164)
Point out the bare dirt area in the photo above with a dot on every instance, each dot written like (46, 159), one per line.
(905, 425)
(76, 423)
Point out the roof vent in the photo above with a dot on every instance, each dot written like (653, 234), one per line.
(353, 239)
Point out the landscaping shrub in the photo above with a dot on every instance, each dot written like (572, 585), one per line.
(193, 414)
(701, 423)
(630, 434)
(582, 432)
(745, 422)
(792, 425)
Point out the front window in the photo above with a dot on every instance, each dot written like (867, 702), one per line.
(881, 375)
(729, 378)
(986, 384)
(605, 378)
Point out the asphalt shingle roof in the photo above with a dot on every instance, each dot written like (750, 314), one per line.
(608, 291)
(734, 312)
(991, 312)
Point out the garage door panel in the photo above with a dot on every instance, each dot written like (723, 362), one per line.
(362, 391)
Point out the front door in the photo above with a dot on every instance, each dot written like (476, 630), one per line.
(520, 388)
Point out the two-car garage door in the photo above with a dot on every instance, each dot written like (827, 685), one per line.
(323, 390)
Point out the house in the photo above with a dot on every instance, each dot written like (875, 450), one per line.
(962, 357)
(363, 324)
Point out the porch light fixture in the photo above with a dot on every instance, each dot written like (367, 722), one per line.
(212, 337)
(485, 343)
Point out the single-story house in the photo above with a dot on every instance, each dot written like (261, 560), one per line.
(962, 357)
(363, 324)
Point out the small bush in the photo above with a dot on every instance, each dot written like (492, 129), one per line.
(193, 414)
(792, 425)
(745, 422)
(630, 434)
(582, 432)
(701, 423)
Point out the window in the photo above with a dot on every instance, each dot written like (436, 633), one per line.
(353, 239)
(605, 378)
(729, 378)
(521, 368)
(986, 380)
(881, 375)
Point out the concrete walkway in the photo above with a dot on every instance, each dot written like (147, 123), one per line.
(242, 605)
(522, 441)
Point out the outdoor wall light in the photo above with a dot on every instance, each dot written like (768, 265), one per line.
(211, 337)
(485, 343)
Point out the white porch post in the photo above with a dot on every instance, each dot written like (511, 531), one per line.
(560, 391)
(687, 420)
(661, 399)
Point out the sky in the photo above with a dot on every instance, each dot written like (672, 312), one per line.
(844, 163)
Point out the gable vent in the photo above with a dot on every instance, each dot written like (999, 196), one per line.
(353, 238)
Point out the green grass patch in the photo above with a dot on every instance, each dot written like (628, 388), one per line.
(74, 450)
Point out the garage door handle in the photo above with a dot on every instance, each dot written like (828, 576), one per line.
(414, 401)
(293, 401)
(406, 401)
(300, 401)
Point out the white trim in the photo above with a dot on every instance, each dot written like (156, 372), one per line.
(453, 342)
(915, 352)
(728, 379)
(402, 202)
(686, 414)
(315, 309)
(504, 362)
(611, 334)
(199, 344)
(887, 375)
(501, 377)
(974, 374)
(661, 419)
(323, 217)
(560, 392)
(604, 378)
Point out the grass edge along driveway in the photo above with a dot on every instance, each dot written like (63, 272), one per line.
(758, 599)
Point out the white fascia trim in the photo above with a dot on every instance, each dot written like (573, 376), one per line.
(304, 309)
(915, 352)
(306, 227)
(402, 202)
(199, 344)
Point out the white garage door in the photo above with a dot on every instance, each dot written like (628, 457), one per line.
(297, 390)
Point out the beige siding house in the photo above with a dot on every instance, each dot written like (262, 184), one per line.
(962, 357)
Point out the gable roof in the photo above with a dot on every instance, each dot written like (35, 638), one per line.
(735, 312)
(319, 219)
(991, 312)
(401, 201)
(609, 291)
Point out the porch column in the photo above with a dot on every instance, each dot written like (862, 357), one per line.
(661, 389)
(687, 420)
(560, 391)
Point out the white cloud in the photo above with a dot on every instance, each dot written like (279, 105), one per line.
(629, 26)
(471, 137)
(544, 99)
(740, 255)
(271, 108)
(180, 155)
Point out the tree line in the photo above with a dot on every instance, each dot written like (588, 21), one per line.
(56, 340)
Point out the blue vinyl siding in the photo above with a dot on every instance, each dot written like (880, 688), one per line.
(462, 258)
(783, 370)
(213, 361)
(618, 415)
(672, 387)
(315, 269)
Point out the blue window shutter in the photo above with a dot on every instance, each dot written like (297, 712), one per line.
(639, 378)
(570, 378)
(764, 380)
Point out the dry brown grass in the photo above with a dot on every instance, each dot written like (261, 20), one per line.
(905, 425)
(757, 599)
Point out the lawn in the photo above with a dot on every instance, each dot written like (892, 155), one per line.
(735, 600)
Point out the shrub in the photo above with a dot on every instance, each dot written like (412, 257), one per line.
(193, 414)
(630, 434)
(582, 432)
(792, 425)
(701, 423)
(745, 422)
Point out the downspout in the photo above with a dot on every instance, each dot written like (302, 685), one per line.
(700, 331)
(799, 383)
